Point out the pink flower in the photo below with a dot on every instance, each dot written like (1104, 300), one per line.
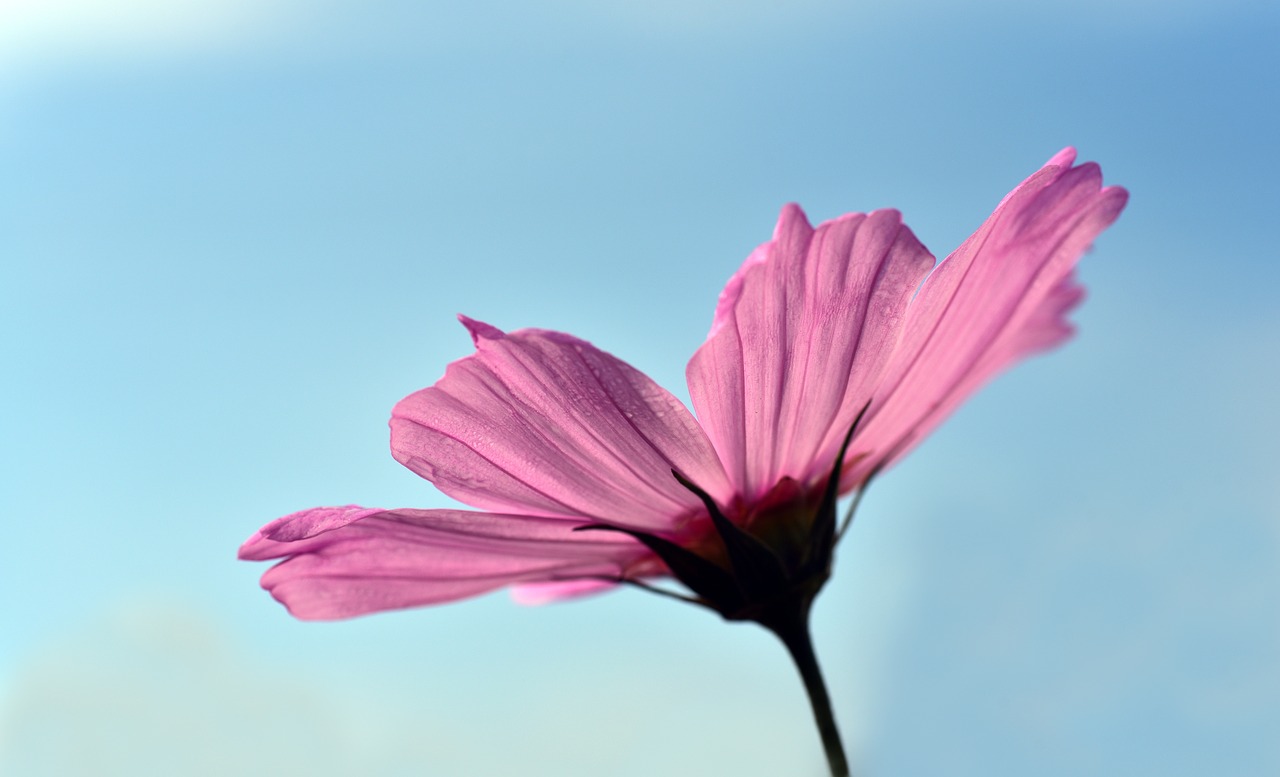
(547, 435)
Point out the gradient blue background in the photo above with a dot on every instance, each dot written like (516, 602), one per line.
(233, 235)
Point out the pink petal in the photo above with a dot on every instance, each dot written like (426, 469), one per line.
(542, 423)
(340, 562)
(800, 338)
(1000, 297)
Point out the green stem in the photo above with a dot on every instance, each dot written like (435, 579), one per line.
(795, 635)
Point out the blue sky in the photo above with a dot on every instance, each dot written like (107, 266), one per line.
(232, 237)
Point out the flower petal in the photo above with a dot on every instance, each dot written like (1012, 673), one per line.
(800, 338)
(543, 423)
(340, 562)
(1000, 297)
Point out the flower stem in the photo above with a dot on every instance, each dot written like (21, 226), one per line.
(795, 635)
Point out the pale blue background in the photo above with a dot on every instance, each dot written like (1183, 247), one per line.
(232, 236)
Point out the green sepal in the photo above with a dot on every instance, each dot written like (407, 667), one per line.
(709, 581)
(822, 536)
(756, 567)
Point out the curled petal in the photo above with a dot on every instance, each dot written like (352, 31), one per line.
(339, 562)
(1000, 297)
(543, 423)
(800, 338)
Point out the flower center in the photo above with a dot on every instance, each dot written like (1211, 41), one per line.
(769, 565)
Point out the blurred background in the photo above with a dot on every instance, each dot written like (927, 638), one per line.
(233, 234)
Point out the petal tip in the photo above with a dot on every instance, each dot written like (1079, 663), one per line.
(879, 216)
(480, 330)
(792, 215)
(246, 551)
(1119, 197)
(305, 524)
(1064, 158)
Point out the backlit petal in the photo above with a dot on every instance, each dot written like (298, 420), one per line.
(340, 562)
(543, 423)
(1002, 296)
(800, 338)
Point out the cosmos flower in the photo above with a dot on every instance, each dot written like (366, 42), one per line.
(833, 351)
